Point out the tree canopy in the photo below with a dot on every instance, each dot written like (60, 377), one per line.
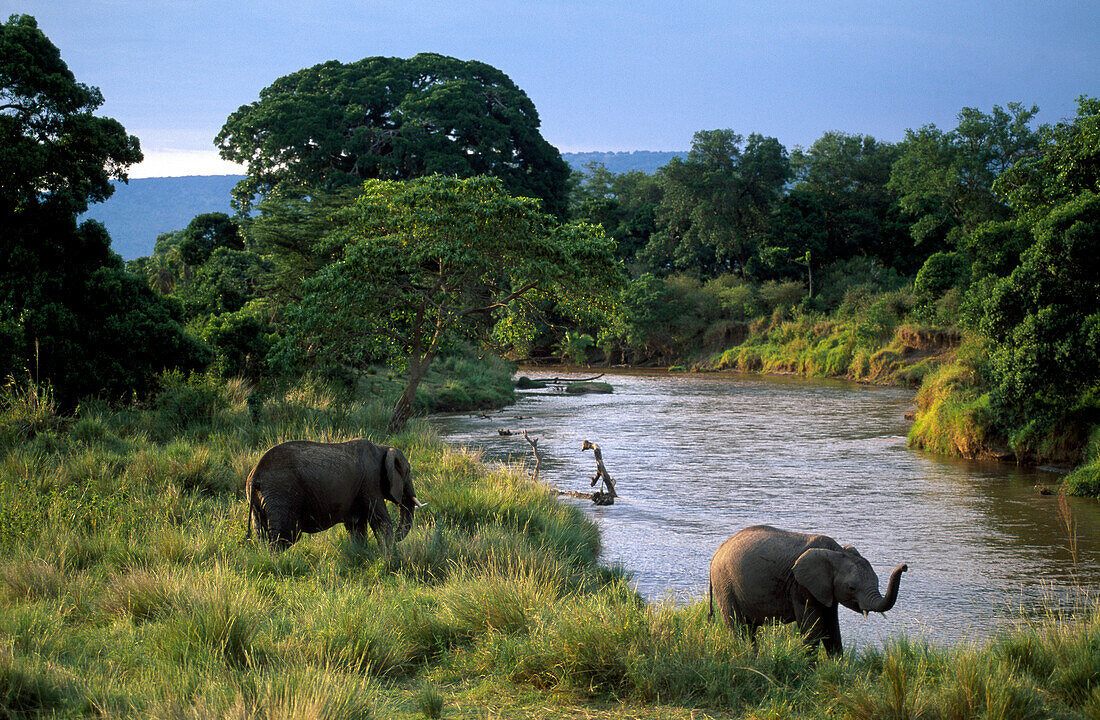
(391, 119)
(415, 264)
(69, 311)
(944, 180)
(716, 203)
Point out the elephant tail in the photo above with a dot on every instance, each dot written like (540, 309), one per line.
(710, 592)
(256, 514)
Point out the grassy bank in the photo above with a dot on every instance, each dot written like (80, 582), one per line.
(855, 349)
(127, 590)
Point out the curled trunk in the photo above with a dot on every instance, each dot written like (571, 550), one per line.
(882, 604)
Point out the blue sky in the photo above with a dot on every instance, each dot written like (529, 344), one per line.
(638, 75)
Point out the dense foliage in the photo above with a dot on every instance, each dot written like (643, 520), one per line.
(70, 313)
(414, 265)
(337, 124)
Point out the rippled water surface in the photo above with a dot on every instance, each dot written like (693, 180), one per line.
(697, 457)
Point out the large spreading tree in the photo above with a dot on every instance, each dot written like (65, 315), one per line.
(410, 266)
(70, 313)
(717, 203)
(339, 124)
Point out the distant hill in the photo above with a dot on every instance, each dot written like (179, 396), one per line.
(146, 207)
(648, 161)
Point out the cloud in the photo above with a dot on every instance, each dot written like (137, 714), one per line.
(177, 163)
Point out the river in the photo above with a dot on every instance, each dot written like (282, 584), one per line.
(696, 457)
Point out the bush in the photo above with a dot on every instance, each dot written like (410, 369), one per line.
(775, 295)
(26, 409)
(185, 401)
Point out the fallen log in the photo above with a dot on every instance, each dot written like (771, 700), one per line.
(560, 381)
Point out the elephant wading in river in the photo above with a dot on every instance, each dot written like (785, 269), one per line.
(763, 574)
(303, 486)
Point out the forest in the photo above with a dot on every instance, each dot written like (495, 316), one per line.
(405, 236)
(398, 211)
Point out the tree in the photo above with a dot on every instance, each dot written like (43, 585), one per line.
(944, 180)
(69, 311)
(205, 234)
(338, 124)
(840, 193)
(1067, 164)
(717, 202)
(1043, 317)
(625, 204)
(415, 264)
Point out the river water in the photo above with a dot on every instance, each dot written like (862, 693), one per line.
(696, 457)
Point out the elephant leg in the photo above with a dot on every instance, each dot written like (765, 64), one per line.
(831, 639)
(357, 529)
(814, 623)
(380, 523)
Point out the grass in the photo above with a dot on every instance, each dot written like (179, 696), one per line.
(127, 590)
(901, 354)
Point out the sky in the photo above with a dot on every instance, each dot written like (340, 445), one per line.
(604, 75)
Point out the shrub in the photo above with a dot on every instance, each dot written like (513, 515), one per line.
(775, 295)
(26, 409)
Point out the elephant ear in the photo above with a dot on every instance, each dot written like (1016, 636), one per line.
(851, 550)
(397, 471)
(813, 570)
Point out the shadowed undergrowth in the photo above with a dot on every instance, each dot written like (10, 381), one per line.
(127, 590)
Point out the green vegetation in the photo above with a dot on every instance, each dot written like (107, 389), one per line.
(962, 261)
(69, 311)
(127, 590)
(336, 124)
(584, 388)
(411, 266)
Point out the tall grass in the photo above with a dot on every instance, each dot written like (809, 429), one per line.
(127, 590)
(881, 351)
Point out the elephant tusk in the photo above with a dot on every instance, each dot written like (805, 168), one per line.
(865, 613)
(419, 505)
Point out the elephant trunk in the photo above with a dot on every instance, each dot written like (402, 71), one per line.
(405, 521)
(882, 604)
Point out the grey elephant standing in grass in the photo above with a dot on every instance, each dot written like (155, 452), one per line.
(301, 486)
(763, 574)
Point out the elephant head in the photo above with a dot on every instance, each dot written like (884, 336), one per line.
(845, 577)
(398, 484)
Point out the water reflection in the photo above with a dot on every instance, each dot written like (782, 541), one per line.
(697, 457)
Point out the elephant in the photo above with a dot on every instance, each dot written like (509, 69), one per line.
(302, 486)
(763, 574)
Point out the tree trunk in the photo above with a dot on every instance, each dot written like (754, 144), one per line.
(402, 411)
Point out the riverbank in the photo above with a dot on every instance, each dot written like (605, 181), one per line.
(126, 590)
(952, 414)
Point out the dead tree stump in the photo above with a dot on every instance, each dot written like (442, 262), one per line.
(534, 443)
(606, 494)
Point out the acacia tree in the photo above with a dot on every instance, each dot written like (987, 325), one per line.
(416, 263)
(338, 124)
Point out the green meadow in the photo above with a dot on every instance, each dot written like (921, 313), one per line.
(128, 590)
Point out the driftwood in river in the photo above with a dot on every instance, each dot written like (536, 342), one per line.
(601, 496)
